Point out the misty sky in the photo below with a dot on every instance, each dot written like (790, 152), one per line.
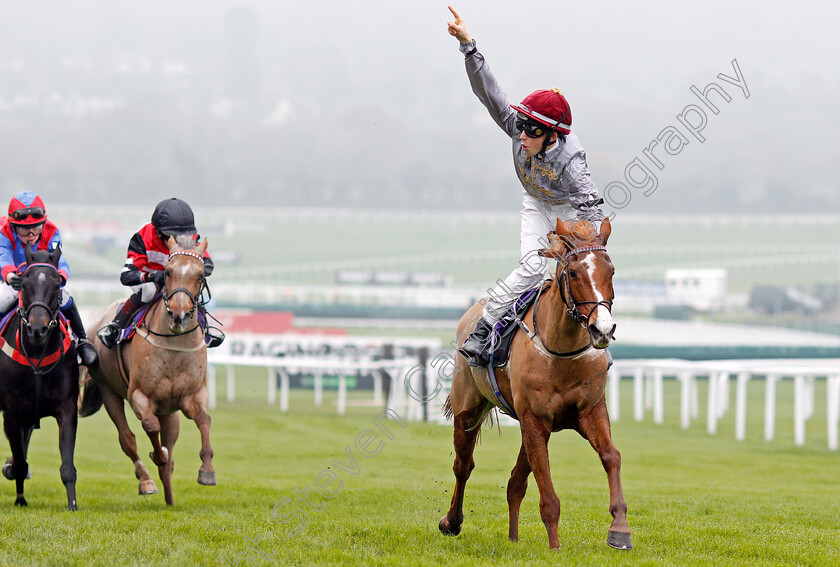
(327, 103)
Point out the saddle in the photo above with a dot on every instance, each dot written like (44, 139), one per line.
(505, 328)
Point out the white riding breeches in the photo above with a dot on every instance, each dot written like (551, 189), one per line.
(147, 291)
(8, 297)
(538, 219)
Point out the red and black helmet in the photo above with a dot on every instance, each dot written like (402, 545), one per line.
(26, 208)
(548, 107)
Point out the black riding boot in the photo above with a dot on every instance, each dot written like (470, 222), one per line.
(109, 333)
(86, 350)
(216, 335)
(476, 345)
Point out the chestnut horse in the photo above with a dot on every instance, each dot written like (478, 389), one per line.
(555, 379)
(163, 370)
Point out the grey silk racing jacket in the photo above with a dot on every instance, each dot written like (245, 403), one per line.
(562, 176)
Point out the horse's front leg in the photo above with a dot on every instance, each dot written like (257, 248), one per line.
(170, 426)
(595, 428)
(535, 440)
(17, 435)
(517, 485)
(68, 420)
(145, 409)
(115, 406)
(195, 408)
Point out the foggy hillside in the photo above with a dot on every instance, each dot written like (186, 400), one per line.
(366, 104)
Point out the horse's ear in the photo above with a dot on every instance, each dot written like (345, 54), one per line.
(27, 252)
(202, 246)
(170, 242)
(55, 255)
(606, 229)
(556, 247)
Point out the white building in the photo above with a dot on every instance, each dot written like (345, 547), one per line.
(704, 290)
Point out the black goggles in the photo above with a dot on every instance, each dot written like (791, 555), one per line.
(532, 128)
(36, 213)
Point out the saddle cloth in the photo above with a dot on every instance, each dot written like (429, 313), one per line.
(505, 328)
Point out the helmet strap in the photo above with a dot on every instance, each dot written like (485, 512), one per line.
(548, 142)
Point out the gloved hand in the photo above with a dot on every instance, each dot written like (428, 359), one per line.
(14, 280)
(158, 277)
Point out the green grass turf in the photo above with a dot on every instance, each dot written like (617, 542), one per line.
(693, 499)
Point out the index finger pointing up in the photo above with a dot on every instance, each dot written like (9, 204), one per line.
(454, 13)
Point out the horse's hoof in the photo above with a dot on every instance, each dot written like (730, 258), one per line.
(620, 540)
(207, 478)
(149, 488)
(73, 507)
(21, 501)
(448, 531)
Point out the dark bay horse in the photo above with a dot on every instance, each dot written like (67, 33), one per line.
(160, 371)
(555, 379)
(39, 374)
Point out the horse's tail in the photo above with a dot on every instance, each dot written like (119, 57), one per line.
(90, 397)
(447, 407)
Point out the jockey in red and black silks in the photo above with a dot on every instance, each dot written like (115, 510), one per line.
(148, 255)
(27, 223)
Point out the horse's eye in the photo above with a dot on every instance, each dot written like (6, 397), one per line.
(572, 274)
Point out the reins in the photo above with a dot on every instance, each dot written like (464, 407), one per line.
(145, 331)
(571, 307)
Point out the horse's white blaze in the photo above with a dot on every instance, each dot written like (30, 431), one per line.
(42, 278)
(602, 316)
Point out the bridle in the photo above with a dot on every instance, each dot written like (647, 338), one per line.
(25, 312)
(195, 300)
(573, 305)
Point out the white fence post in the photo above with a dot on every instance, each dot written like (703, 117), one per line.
(319, 389)
(770, 406)
(231, 383)
(639, 393)
(272, 386)
(658, 400)
(284, 390)
(685, 399)
(741, 406)
(342, 393)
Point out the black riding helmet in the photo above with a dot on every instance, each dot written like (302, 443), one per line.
(173, 216)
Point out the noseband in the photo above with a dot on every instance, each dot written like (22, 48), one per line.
(572, 305)
(195, 300)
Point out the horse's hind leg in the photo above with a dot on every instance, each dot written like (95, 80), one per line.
(195, 408)
(469, 408)
(68, 420)
(170, 426)
(17, 443)
(517, 485)
(595, 427)
(115, 406)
